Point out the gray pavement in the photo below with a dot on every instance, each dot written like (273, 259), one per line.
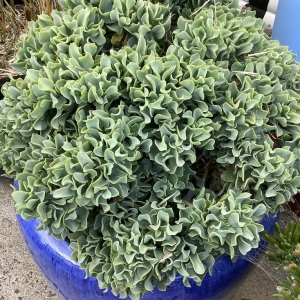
(21, 280)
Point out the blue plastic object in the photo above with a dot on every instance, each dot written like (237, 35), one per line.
(286, 25)
(67, 279)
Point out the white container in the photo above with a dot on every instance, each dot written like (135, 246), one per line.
(269, 17)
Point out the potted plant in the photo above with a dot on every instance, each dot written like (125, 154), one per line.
(286, 254)
(143, 135)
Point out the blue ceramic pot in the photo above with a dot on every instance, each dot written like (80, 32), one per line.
(68, 280)
(286, 25)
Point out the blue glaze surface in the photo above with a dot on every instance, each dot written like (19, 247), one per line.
(286, 25)
(68, 280)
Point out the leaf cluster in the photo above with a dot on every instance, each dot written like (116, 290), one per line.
(286, 254)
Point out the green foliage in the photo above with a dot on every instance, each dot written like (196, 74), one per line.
(287, 255)
(153, 149)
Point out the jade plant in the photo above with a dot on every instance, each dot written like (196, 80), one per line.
(286, 254)
(152, 135)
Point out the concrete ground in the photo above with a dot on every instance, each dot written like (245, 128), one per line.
(21, 280)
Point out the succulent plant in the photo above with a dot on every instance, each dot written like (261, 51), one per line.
(286, 254)
(153, 148)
